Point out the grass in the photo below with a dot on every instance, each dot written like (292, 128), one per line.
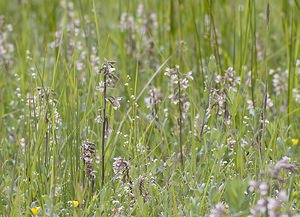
(225, 145)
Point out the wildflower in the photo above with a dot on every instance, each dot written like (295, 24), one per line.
(296, 95)
(35, 210)
(219, 210)
(152, 101)
(298, 66)
(280, 82)
(295, 141)
(100, 87)
(273, 204)
(179, 82)
(217, 99)
(114, 102)
(75, 203)
(231, 79)
(88, 153)
(6, 48)
(269, 103)
(282, 196)
(284, 163)
(264, 188)
(121, 169)
(253, 185)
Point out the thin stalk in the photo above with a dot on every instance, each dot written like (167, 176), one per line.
(199, 54)
(46, 138)
(290, 67)
(104, 125)
(215, 38)
(252, 14)
(263, 123)
(180, 118)
(264, 106)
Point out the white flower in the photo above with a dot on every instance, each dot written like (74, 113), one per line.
(100, 87)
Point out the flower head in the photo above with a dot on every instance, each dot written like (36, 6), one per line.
(295, 141)
(88, 154)
(219, 210)
(75, 203)
(35, 210)
(285, 164)
(121, 169)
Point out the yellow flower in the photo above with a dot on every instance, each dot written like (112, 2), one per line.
(35, 210)
(75, 203)
(295, 141)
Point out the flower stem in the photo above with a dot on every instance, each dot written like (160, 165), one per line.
(104, 123)
(180, 118)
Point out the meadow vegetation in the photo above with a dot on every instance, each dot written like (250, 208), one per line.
(149, 108)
